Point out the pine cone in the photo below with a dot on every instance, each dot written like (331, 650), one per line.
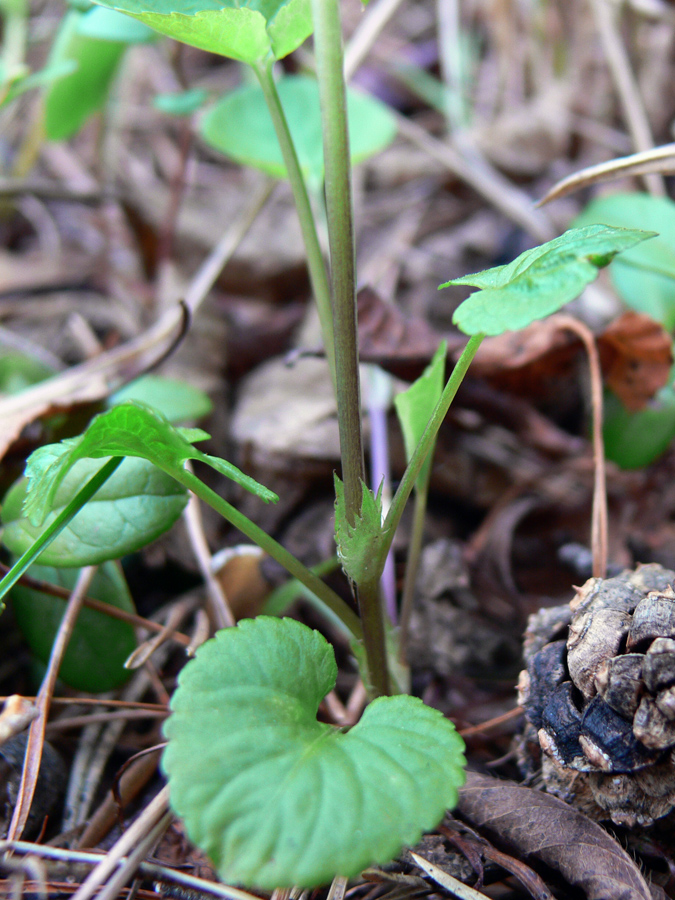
(599, 696)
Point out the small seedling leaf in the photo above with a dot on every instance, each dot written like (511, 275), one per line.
(181, 104)
(137, 504)
(99, 645)
(276, 798)
(240, 126)
(249, 33)
(540, 281)
(644, 276)
(358, 544)
(176, 400)
(72, 99)
(415, 406)
(130, 429)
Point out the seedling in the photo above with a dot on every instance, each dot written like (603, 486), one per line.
(275, 797)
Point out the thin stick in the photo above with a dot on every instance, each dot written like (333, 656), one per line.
(36, 734)
(219, 606)
(154, 814)
(626, 86)
(61, 593)
(375, 19)
(599, 538)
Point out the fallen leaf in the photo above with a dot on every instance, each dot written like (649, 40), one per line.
(540, 826)
(636, 358)
(401, 345)
(659, 159)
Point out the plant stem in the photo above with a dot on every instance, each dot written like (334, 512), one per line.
(315, 260)
(59, 523)
(293, 565)
(412, 562)
(427, 440)
(332, 94)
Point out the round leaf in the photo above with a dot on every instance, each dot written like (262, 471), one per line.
(275, 797)
(177, 400)
(645, 275)
(240, 126)
(99, 645)
(248, 33)
(137, 504)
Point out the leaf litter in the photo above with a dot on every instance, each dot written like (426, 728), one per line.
(87, 277)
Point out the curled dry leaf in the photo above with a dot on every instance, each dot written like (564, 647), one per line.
(543, 828)
(659, 159)
(636, 356)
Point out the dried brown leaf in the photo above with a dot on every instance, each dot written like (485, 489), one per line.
(541, 827)
(636, 358)
(401, 345)
(659, 160)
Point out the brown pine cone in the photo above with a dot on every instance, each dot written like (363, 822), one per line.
(599, 696)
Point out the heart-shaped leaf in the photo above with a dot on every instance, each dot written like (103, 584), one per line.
(137, 504)
(645, 275)
(130, 429)
(99, 645)
(248, 31)
(540, 281)
(277, 798)
(240, 126)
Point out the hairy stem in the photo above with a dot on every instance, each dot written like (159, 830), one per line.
(332, 95)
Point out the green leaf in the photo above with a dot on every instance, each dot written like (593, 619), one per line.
(635, 439)
(415, 406)
(109, 25)
(130, 429)
(135, 506)
(540, 281)
(182, 104)
(240, 126)
(247, 30)
(644, 276)
(275, 797)
(19, 371)
(176, 400)
(359, 545)
(72, 99)
(99, 645)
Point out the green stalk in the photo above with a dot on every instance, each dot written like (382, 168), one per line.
(426, 442)
(59, 523)
(315, 260)
(293, 565)
(412, 561)
(332, 94)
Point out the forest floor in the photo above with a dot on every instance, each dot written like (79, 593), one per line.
(102, 235)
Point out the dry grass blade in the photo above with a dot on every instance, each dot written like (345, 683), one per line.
(659, 160)
(36, 734)
(153, 816)
(445, 880)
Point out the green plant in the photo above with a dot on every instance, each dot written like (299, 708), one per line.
(644, 278)
(275, 797)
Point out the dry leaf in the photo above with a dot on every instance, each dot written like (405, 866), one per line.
(660, 160)
(401, 345)
(539, 826)
(636, 358)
